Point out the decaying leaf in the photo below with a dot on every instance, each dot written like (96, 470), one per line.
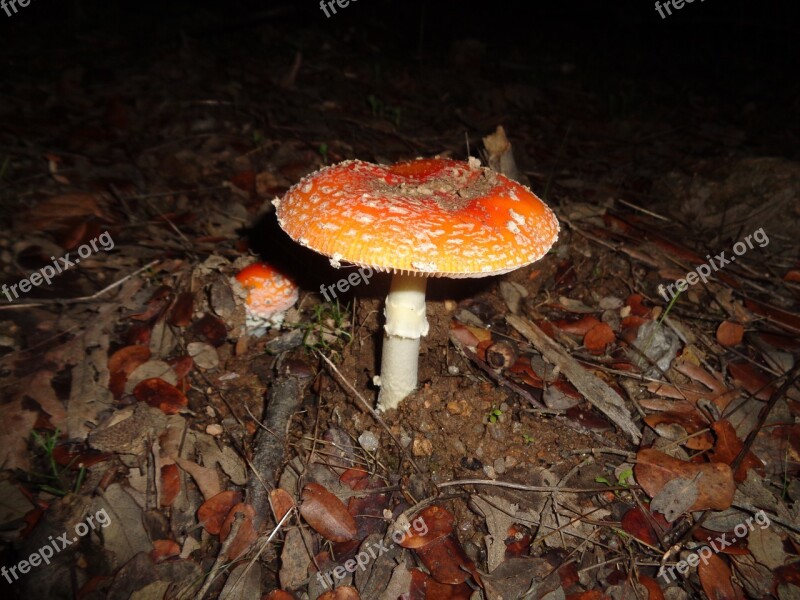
(655, 469)
(327, 514)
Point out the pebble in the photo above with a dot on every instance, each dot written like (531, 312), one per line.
(499, 466)
(510, 461)
(368, 441)
(214, 429)
(421, 446)
(459, 447)
(490, 472)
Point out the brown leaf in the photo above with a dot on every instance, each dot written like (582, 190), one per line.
(170, 484)
(653, 589)
(636, 523)
(782, 318)
(580, 327)
(751, 378)
(212, 329)
(159, 394)
(163, 549)
(122, 363)
(279, 595)
(213, 511)
(439, 522)
(246, 534)
(655, 469)
(598, 338)
(715, 577)
(690, 421)
(730, 333)
(446, 560)
(727, 449)
(423, 586)
(345, 592)
(281, 503)
(182, 309)
(326, 514)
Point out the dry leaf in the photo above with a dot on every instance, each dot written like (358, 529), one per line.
(716, 487)
(213, 511)
(730, 333)
(326, 514)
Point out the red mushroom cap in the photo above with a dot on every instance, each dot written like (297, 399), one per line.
(269, 291)
(433, 217)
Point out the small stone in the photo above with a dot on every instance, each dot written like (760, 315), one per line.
(454, 408)
(499, 466)
(453, 370)
(368, 441)
(405, 440)
(459, 447)
(214, 429)
(421, 446)
(510, 461)
(490, 472)
(610, 302)
(498, 433)
(450, 305)
(479, 451)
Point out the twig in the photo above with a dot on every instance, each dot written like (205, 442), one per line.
(534, 488)
(596, 391)
(48, 301)
(371, 410)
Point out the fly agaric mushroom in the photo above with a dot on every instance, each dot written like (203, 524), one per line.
(417, 219)
(270, 294)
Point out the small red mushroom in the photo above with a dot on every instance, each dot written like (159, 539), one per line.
(270, 294)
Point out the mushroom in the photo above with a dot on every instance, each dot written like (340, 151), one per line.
(423, 218)
(270, 294)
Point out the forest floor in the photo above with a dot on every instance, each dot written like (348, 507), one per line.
(132, 392)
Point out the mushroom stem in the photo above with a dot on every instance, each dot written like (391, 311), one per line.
(405, 324)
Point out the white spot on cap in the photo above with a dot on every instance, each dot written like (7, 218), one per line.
(336, 260)
(428, 267)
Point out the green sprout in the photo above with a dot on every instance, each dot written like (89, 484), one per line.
(494, 414)
(327, 328)
(46, 444)
(323, 150)
(527, 438)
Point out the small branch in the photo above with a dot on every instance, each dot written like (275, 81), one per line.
(48, 301)
(371, 410)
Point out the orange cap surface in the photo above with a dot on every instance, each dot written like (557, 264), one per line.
(433, 217)
(268, 290)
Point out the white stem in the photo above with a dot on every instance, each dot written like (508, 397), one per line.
(405, 324)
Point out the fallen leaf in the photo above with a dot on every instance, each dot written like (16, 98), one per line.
(326, 514)
(598, 338)
(159, 394)
(281, 503)
(213, 511)
(715, 577)
(170, 484)
(182, 310)
(438, 522)
(655, 469)
(676, 497)
(163, 549)
(122, 363)
(730, 333)
(580, 327)
(727, 449)
(345, 592)
(246, 534)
